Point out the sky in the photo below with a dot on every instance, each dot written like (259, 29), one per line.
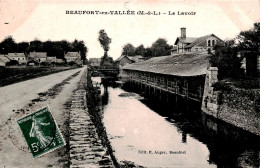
(47, 20)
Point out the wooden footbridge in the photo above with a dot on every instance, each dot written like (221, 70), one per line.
(107, 71)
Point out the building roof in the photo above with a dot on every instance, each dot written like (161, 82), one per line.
(16, 55)
(192, 41)
(187, 64)
(200, 39)
(51, 58)
(95, 61)
(185, 40)
(121, 57)
(136, 58)
(4, 58)
(38, 54)
(59, 60)
(72, 54)
(124, 56)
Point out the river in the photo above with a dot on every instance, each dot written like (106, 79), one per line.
(151, 133)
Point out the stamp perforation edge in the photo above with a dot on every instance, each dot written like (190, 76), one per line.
(44, 153)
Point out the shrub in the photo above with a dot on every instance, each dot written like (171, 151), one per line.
(12, 63)
(71, 63)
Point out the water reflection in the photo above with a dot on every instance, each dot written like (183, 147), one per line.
(157, 134)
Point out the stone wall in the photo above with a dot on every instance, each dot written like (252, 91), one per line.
(210, 97)
(239, 107)
(86, 146)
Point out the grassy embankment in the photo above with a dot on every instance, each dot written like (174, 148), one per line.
(10, 75)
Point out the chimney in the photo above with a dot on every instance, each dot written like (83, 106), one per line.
(183, 32)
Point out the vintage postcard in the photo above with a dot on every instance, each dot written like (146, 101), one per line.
(133, 83)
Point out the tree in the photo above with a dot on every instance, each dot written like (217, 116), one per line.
(140, 50)
(80, 46)
(227, 61)
(104, 41)
(128, 50)
(8, 45)
(249, 41)
(22, 47)
(148, 52)
(66, 46)
(161, 48)
(57, 50)
(35, 45)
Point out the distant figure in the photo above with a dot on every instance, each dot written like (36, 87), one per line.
(37, 131)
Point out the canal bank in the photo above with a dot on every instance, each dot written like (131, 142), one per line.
(87, 140)
(237, 106)
(154, 133)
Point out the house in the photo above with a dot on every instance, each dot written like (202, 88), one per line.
(39, 57)
(72, 56)
(137, 58)
(3, 60)
(58, 60)
(185, 44)
(123, 60)
(20, 57)
(95, 62)
(51, 59)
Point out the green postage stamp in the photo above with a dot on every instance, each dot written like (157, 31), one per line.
(41, 132)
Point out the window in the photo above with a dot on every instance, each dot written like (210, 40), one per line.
(213, 42)
(209, 43)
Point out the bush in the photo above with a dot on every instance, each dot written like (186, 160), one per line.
(71, 63)
(60, 63)
(246, 83)
(12, 63)
(45, 64)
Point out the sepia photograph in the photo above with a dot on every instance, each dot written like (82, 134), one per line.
(125, 84)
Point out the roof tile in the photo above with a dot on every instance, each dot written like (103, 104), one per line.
(188, 64)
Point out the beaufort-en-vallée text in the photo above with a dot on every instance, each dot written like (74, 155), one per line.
(128, 12)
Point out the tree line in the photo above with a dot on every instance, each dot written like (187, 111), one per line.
(53, 48)
(229, 58)
(159, 48)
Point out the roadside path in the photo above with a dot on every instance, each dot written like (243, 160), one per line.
(22, 98)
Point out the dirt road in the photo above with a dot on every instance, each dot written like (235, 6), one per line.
(22, 98)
